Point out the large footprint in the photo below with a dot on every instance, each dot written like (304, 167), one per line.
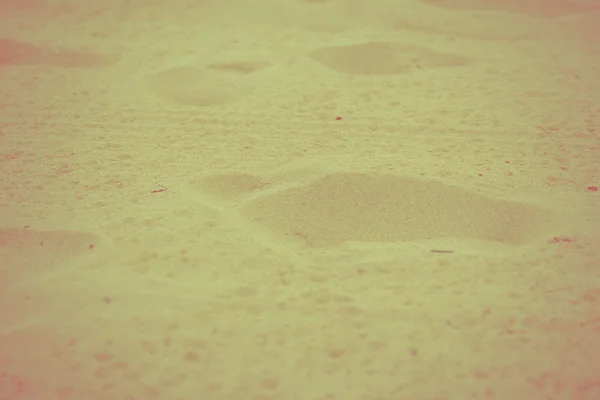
(345, 206)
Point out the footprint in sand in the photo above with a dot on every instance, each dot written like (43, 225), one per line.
(343, 207)
(384, 58)
(211, 85)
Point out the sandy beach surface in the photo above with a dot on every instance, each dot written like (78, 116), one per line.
(299, 200)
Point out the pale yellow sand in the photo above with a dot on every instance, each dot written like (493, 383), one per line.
(299, 200)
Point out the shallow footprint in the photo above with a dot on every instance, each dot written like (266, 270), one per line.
(232, 186)
(383, 58)
(384, 208)
(213, 85)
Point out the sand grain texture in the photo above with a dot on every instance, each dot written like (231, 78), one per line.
(305, 200)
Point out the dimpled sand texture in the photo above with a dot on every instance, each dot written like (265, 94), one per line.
(299, 200)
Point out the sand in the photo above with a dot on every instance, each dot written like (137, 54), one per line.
(299, 200)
